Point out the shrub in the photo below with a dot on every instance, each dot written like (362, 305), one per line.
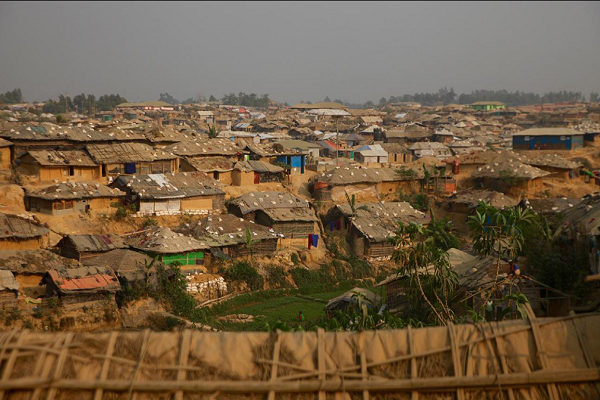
(242, 271)
(276, 276)
(148, 222)
(295, 259)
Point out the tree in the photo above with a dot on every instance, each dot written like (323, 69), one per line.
(212, 98)
(429, 278)
(441, 231)
(200, 98)
(327, 99)
(108, 102)
(382, 102)
(500, 231)
(12, 97)
(167, 98)
(594, 97)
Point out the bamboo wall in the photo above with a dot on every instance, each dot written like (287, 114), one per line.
(555, 359)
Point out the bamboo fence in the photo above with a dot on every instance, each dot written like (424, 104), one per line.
(528, 359)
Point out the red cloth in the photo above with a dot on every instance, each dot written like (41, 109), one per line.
(309, 240)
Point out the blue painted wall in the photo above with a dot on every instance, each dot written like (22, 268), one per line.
(549, 142)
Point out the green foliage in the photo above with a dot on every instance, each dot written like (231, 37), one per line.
(310, 281)
(406, 173)
(553, 260)
(149, 222)
(520, 300)
(428, 277)
(248, 100)
(212, 131)
(476, 317)
(11, 316)
(295, 259)
(510, 178)
(121, 213)
(242, 271)
(493, 229)
(286, 167)
(12, 97)
(83, 103)
(167, 98)
(109, 101)
(420, 202)
(60, 119)
(276, 276)
(441, 231)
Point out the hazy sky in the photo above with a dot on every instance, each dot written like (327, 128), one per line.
(296, 51)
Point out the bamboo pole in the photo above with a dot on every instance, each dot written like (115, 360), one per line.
(60, 364)
(587, 353)
(501, 354)
(45, 362)
(275, 365)
(184, 354)
(363, 363)
(13, 357)
(413, 361)
(541, 352)
(105, 366)
(455, 351)
(321, 361)
(435, 384)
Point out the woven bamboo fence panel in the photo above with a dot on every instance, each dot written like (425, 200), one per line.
(529, 359)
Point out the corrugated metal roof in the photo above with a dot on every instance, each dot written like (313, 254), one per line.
(19, 227)
(75, 190)
(169, 186)
(95, 243)
(253, 201)
(164, 241)
(548, 132)
(85, 279)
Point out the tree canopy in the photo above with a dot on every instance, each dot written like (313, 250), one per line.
(247, 100)
(11, 97)
(83, 103)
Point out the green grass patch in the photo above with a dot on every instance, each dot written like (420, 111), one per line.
(275, 306)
